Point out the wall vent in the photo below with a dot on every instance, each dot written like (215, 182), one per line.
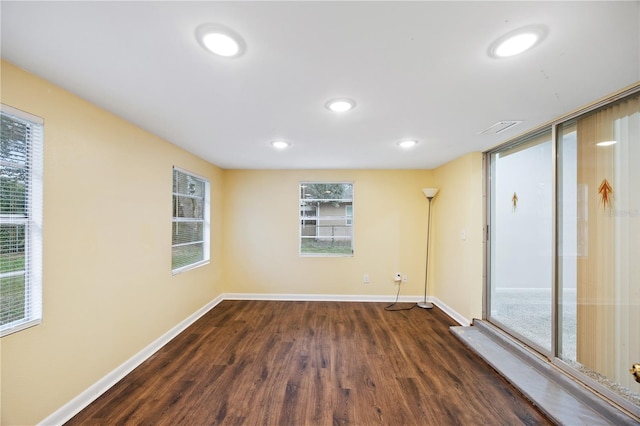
(499, 127)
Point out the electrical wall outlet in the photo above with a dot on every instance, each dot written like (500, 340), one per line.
(405, 279)
(365, 279)
(397, 278)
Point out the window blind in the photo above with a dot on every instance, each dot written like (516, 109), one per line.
(20, 220)
(190, 228)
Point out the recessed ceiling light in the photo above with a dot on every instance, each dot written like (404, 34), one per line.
(340, 105)
(406, 144)
(516, 44)
(606, 143)
(280, 144)
(220, 40)
(517, 41)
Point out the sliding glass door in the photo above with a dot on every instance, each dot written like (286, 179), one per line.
(564, 245)
(599, 245)
(521, 234)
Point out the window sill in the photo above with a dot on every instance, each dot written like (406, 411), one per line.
(189, 267)
(19, 327)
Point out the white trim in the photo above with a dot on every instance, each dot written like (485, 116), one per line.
(73, 407)
(23, 115)
(19, 326)
(189, 172)
(189, 267)
(319, 297)
(449, 311)
(206, 221)
(77, 404)
(317, 218)
(32, 220)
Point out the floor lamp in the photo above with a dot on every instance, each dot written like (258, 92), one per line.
(429, 193)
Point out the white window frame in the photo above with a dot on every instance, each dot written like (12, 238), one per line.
(32, 221)
(348, 221)
(206, 223)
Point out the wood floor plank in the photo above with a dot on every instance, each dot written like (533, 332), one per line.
(313, 363)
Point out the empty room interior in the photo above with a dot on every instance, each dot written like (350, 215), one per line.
(320, 212)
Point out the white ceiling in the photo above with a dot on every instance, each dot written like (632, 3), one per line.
(416, 70)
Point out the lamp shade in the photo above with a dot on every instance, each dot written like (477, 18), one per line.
(430, 192)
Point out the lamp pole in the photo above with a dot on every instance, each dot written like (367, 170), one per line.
(429, 193)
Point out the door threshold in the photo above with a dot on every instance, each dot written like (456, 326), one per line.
(562, 399)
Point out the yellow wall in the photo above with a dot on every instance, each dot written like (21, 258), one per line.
(457, 267)
(261, 233)
(108, 288)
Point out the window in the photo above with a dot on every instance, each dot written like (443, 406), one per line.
(20, 220)
(348, 212)
(326, 219)
(190, 241)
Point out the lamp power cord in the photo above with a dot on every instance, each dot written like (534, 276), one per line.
(388, 308)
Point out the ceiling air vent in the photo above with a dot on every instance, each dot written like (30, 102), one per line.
(499, 127)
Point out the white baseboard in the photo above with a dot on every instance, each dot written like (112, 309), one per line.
(318, 297)
(77, 404)
(73, 407)
(447, 310)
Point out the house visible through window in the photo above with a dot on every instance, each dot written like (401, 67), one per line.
(326, 219)
(190, 241)
(20, 220)
(348, 211)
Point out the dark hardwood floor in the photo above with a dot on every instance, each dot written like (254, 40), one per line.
(313, 363)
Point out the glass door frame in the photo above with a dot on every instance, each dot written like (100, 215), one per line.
(548, 353)
(552, 355)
